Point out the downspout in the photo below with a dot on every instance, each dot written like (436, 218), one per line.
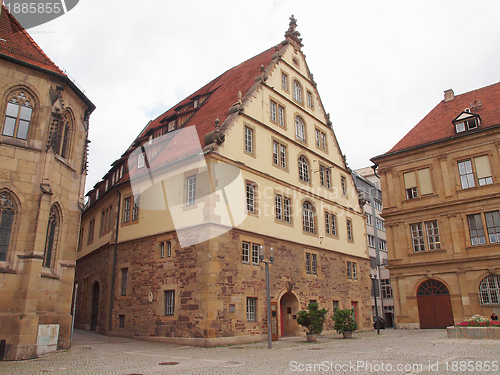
(113, 272)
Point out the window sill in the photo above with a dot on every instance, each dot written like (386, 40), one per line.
(48, 273)
(427, 252)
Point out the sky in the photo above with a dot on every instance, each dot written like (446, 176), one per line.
(380, 66)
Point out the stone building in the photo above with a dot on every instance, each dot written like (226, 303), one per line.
(440, 185)
(43, 140)
(246, 167)
(368, 184)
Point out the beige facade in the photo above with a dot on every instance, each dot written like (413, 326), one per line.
(43, 135)
(441, 205)
(177, 258)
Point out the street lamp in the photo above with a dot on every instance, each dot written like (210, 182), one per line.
(374, 288)
(268, 295)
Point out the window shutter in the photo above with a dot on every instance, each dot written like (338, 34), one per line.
(424, 178)
(410, 180)
(482, 167)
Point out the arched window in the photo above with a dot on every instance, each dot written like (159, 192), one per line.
(8, 212)
(297, 92)
(489, 290)
(300, 129)
(18, 115)
(63, 139)
(52, 236)
(303, 169)
(432, 287)
(307, 217)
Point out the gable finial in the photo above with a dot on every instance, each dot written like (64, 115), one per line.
(292, 34)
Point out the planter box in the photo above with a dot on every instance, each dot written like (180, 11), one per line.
(473, 333)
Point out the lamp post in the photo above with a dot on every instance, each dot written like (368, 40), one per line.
(268, 296)
(374, 287)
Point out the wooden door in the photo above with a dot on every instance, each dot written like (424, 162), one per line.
(434, 305)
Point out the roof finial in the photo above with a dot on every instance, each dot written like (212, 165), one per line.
(293, 34)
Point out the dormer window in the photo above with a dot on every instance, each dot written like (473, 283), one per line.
(466, 121)
(171, 126)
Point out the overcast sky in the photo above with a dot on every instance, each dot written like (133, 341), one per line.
(380, 66)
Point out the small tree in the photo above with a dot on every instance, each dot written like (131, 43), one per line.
(344, 320)
(313, 319)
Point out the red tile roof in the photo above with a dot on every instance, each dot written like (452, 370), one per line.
(222, 95)
(18, 44)
(437, 125)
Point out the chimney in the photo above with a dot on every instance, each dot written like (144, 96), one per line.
(449, 95)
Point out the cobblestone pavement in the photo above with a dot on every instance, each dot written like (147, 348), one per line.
(391, 352)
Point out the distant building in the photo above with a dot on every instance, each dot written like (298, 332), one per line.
(246, 166)
(43, 145)
(367, 184)
(441, 188)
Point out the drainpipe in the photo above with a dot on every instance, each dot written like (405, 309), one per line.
(113, 273)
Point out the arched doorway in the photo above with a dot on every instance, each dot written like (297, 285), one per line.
(289, 307)
(434, 305)
(95, 306)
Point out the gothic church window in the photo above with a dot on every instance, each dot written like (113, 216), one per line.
(18, 114)
(8, 211)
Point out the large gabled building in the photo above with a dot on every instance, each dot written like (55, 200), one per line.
(43, 146)
(246, 167)
(440, 185)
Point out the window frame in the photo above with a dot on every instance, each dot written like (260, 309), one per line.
(350, 230)
(19, 97)
(489, 290)
(304, 169)
(249, 140)
(169, 302)
(284, 213)
(251, 309)
(279, 154)
(300, 129)
(52, 237)
(8, 203)
(331, 224)
(473, 175)
(308, 218)
(297, 92)
(191, 186)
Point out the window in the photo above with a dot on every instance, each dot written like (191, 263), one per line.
(309, 99)
(382, 245)
(369, 220)
(378, 205)
(418, 182)
(282, 209)
(466, 121)
(489, 290)
(343, 185)
(127, 205)
(320, 139)
(18, 115)
(281, 116)
(277, 113)
(171, 126)
(351, 270)
(308, 262)
(284, 81)
(124, 279)
(245, 247)
(336, 304)
(324, 176)
(432, 230)
(493, 226)
(255, 254)
(140, 160)
(279, 154)
(380, 224)
(251, 197)
(297, 92)
(8, 210)
(52, 236)
(106, 218)
(371, 240)
(303, 169)
(385, 285)
(63, 137)
(91, 231)
(251, 309)
(245, 252)
(165, 249)
(300, 130)
(349, 230)
(169, 296)
(191, 191)
(478, 172)
(432, 234)
(331, 224)
(274, 111)
(135, 208)
(307, 218)
(121, 321)
(476, 230)
(314, 268)
(248, 140)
